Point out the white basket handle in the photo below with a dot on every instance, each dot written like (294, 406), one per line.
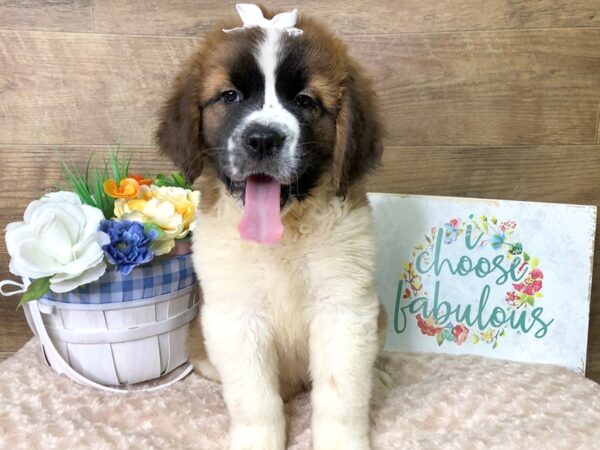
(21, 287)
(60, 365)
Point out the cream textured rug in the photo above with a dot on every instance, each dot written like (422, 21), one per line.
(435, 402)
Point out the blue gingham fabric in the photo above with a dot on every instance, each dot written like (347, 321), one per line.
(162, 276)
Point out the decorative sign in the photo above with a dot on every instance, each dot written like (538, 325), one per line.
(494, 278)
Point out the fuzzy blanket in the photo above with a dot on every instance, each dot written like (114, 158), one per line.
(434, 402)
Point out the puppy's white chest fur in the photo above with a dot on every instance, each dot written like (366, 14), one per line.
(272, 292)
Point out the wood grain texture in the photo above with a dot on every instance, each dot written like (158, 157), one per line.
(598, 127)
(497, 88)
(192, 17)
(5, 355)
(560, 174)
(14, 331)
(63, 88)
(38, 169)
(593, 364)
(48, 15)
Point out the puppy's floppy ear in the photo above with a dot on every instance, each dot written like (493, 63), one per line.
(179, 134)
(358, 145)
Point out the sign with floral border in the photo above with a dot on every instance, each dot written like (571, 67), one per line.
(494, 278)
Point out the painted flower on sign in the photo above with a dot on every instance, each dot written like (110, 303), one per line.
(512, 298)
(532, 283)
(497, 240)
(508, 225)
(451, 230)
(454, 223)
(516, 249)
(460, 333)
(487, 336)
(428, 326)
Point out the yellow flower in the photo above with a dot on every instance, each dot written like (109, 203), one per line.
(172, 209)
(128, 188)
(185, 202)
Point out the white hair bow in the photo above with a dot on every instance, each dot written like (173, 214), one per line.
(252, 16)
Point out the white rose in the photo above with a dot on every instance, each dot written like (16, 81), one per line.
(58, 238)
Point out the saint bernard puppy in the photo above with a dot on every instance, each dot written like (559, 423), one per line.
(282, 125)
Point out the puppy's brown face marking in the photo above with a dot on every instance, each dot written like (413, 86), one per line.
(269, 103)
(262, 115)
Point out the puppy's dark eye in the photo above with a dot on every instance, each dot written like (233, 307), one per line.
(230, 96)
(305, 101)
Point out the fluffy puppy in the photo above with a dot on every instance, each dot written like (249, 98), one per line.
(282, 125)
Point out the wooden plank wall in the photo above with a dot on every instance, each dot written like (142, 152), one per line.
(482, 98)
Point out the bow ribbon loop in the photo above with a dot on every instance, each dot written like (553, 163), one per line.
(252, 16)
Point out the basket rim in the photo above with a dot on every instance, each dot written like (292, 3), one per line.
(116, 305)
(162, 276)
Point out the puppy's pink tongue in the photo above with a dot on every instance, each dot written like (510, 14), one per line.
(262, 211)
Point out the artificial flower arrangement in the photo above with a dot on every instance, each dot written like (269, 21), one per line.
(108, 218)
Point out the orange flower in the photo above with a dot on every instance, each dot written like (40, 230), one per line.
(128, 188)
(141, 180)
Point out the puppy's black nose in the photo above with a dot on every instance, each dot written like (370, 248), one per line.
(263, 141)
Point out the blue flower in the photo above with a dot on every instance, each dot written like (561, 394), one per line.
(497, 240)
(450, 233)
(129, 244)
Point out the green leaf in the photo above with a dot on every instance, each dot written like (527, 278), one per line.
(439, 337)
(119, 165)
(530, 301)
(78, 184)
(114, 163)
(179, 179)
(36, 289)
(534, 262)
(162, 180)
(102, 199)
(495, 344)
(539, 294)
(176, 180)
(475, 339)
(90, 186)
(526, 256)
(148, 227)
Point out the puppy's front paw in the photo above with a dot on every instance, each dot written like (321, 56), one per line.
(263, 437)
(329, 434)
